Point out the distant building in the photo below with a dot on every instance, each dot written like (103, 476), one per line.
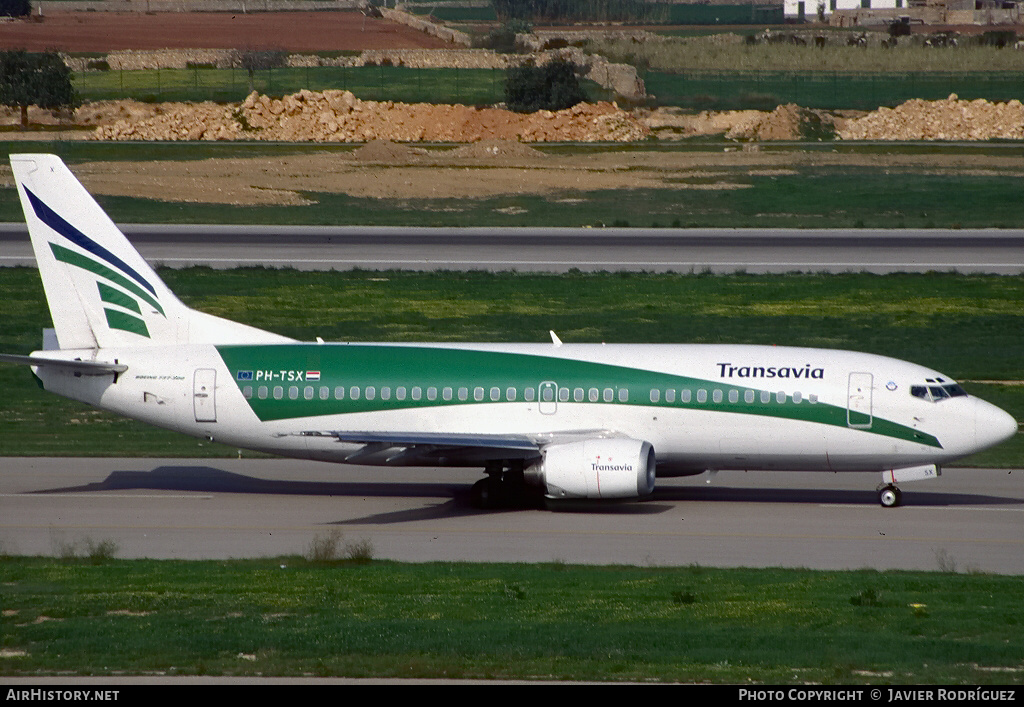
(846, 13)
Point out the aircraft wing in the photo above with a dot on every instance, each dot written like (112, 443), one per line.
(409, 448)
(84, 368)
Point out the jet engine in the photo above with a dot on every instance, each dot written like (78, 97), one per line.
(595, 468)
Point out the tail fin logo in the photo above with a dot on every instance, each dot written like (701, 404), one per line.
(124, 286)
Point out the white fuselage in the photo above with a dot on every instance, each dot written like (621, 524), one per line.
(700, 406)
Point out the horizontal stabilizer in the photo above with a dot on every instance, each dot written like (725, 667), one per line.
(85, 368)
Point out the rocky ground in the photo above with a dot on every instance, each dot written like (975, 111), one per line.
(338, 116)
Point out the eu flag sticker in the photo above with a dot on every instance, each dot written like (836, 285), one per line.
(245, 375)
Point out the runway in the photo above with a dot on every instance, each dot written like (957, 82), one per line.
(968, 519)
(562, 249)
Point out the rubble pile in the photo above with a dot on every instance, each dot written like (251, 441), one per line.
(951, 119)
(338, 116)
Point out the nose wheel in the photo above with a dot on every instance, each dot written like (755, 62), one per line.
(889, 496)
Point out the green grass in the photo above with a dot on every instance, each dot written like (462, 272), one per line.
(378, 83)
(713, 89)
(969, 327)
(291, 617)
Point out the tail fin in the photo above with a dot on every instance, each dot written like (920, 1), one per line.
(100, 291)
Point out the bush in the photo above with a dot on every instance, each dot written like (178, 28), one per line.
(554, 86)
(503, 38)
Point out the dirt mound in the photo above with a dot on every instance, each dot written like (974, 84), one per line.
(783, 123)
(951, 119)
(491, 149)
(387, 152)
(338, 116)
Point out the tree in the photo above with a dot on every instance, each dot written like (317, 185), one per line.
(15, 8)
(553, 86)
(253, 60)
(41, 79)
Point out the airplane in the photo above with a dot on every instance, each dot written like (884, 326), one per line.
(555, 420)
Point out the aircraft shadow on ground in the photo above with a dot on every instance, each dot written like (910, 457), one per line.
(866, 497)
(455, 498)
(208, 479)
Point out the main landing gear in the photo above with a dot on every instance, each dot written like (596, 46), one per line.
(889, 496)
(504, 487)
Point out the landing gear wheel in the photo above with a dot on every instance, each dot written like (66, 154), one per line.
(890, 496)
(487, 493)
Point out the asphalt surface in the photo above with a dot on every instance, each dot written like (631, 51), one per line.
(561, 249)
(967, 520)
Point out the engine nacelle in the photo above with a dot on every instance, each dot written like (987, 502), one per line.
(595, 468)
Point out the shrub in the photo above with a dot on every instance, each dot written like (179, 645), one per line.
(554, 86)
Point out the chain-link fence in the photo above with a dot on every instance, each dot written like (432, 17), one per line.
(829, 90)
(698, 90)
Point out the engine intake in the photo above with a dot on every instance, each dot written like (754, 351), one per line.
(595, 468)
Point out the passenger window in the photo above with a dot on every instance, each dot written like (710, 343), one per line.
(431, 393)
(325, 392)
(339, 393)
(293, 392)
(353, 392)
(307, 392)
(655, 395)
(371, 392)
(685, 395)
(594, 395)
(495, 393)
(624, 395)
(734, 396)
(400, 392)
(702, 396)
(463, 394)
(716, 395)
(748, 396)
(478, 393)
(670, 395)
(563, 395)
(766, 397)
(797, 397)
(577, 395)
(780, 397)
(609, 395)
(417, 393)
(262, 392)
(446, 393)
(385, 393)
(278, 392)
(510, 394)
(529, 394)
(247, 392)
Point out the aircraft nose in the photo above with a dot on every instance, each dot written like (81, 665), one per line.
(992, 425)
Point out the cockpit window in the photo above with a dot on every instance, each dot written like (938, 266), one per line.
(935, 393)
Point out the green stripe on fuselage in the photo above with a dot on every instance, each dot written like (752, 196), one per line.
(383, 366)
